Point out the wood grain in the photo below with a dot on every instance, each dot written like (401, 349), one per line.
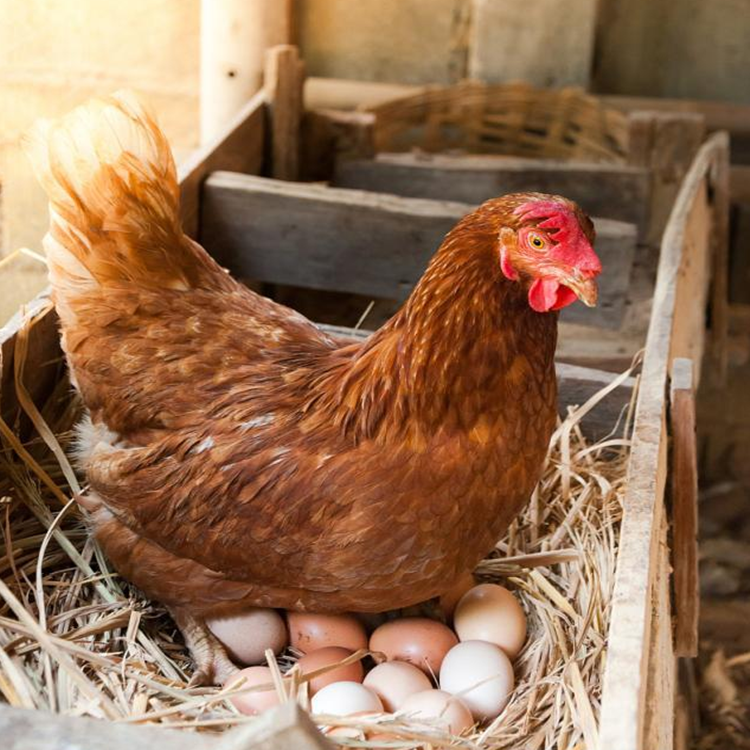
(624, 719)
(362, 242)
(684, 492)
(283, 82)
(615, 191)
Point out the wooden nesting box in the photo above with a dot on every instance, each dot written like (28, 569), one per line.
(272, 231)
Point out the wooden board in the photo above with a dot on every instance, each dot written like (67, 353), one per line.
(239, 148)
(366, 243)
(615, 191)
(543, 42)
(575, 386)
(634, 655)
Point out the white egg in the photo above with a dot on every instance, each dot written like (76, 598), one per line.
(480, 674)
(345, 698)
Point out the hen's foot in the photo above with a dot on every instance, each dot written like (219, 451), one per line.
(212, 663)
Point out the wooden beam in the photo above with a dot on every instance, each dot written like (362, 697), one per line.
(239, 147)
(684, 486)
(366, 243)
(624, 719)
(615, 191)
(664, 143)
(234, 37)
(575, 386)
(284, 77)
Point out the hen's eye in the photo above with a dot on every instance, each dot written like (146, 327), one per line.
(536, 242)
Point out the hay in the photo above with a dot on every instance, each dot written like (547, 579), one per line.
(76, 639)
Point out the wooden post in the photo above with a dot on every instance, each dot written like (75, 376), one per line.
(684, 475)
(283, 86)
(234, 37)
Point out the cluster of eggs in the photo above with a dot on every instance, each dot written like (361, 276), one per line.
(424, 669)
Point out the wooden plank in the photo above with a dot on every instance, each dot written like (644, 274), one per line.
(235, 35)
(684, 486)
(543, 42)
(287, 726)
(575, 386)
(239, 148)
(615, 191)
(366, 243)
(664, 143)
(623, 719)
(283, 87)
(659, 710)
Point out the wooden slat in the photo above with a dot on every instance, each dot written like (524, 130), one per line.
(623, 719)
(239, 148)
(575, 386)
(684, 486)
(366, 243)
(615, 191)
(283, 88)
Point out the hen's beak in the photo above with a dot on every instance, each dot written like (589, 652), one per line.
(586, 289)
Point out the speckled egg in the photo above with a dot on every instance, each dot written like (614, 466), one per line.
(310, 632)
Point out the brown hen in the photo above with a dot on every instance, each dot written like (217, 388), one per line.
(237, 455)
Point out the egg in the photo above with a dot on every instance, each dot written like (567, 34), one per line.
(449, 598)
(344, 699)
(481, 674)
(440, 705)
(325, 657)
(247, 636)
(491, 613)
(418, 640)
(394, 681)
(310, 632)
(257, 701)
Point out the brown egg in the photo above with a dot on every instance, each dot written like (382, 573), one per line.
(418, 640)
(325, 657)
(310, 632)
(447, 709)
(450, 598)
(394, 681)
(491, 613)
(257, 701)
(247, 636)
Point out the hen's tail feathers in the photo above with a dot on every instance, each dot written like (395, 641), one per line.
(114, 201)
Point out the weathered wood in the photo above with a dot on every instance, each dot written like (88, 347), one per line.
(533, 41)
(287, 726)
(575, 386)
(239, 148)
(615, 191)
(684, 492)
(623, 719)
(665, 143)
(362, 242)
(330, 135)
(234, 37)
(283, 87)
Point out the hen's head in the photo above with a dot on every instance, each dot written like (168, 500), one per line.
(546, 243)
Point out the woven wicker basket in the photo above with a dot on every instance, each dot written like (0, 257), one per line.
(513, 119)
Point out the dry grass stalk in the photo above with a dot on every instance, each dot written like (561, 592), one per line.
(76, 639)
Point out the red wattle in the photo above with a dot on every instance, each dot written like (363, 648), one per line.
(548, 294)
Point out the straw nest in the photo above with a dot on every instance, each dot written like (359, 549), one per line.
(76, 639)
